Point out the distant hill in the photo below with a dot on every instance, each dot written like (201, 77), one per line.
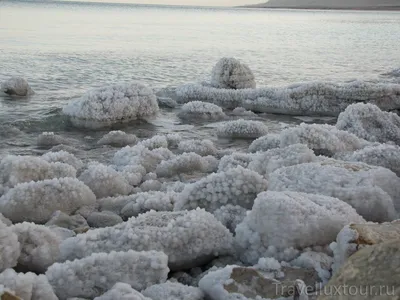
(332, 4)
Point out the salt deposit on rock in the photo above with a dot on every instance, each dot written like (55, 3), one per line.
(189, 239)
(196, 110)
(16, 86)
(315, 98)
(151, 185)
(20, 169)
(122, 291)
(240, 111)
(63, 157)
(103, 219)
(9, 247)
(372, 191)
(265, 143)
(118, 138)
(201, 147)
(27, 286)
(50, 139)
(104, 181)
(242, 129)
(230, 73)
(307, 220)
(173, 291)
(114, 103)
(184, 163)
(166, 102)
(319, 261)
(4, 220)
(235, 159)
(173, 140)
(96, 274)
(237, 186)
(157, 141)
(147, 201)
(383, 155)
(39, 246)
(367, 121)
(230, 216)
(61, 219)
(36, 201)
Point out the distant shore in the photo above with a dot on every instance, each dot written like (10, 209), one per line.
(370, 8)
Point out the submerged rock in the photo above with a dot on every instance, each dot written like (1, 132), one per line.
(196, 110)
(118, 138)
(241, 128)
(16, 86)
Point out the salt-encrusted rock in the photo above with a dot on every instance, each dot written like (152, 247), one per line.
(37, 201)
(201, 147)
(157, 141)
(4, 220)
(233, 282)
(166, 102)
(139, 155)
(230, 73)
(319, 261)
(39, 246)
(118, 138)
(122, 291)
(151, 185)
(183, 163)
(146, 201)
(111, 104)
(173, 291)
(61, 232)
(237, 186)
(86, 210)
(16, 86)
(196, 110)
(94, 275)
(104, 181)
(265, 143)
(9, 247)
(63, 157)
(241, 128)
(50, 139)
(234, 160)
(367, 121)
(7, 295)
(61, 219)
(19, 169)
(173, 140)
(242, 112)
(307, 219)
(357, 236)
(383, 155)
(372, 191)
(27, 286)
(230, 216)
(103, 219)
(189, 238)
(372, 271)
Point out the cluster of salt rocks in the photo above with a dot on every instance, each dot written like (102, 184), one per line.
(174, 219)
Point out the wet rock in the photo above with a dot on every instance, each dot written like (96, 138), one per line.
(371, 273)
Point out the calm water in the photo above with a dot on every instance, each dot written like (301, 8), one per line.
(65, 48)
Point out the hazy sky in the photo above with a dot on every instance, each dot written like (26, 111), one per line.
(189, 2)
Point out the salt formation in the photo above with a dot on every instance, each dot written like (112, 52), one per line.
(367, 121)
(230, 216)
(63, 157)
(173, 140)
(173, 291)
(201, 147)
(184, 163)
(118, 138)
(384, 155)
(9, 247)
(157, 141)
(16, 86)
(315, 98)
(122, 291)
(196, 110)
(146, 201)
(230, 73)
(94, 275)
(103, 219)
(319, 261)
(20, 169)
(166, 102)
(372, 191)
(265, 143)
(114, 103)
(39, 246)
(234, 160)
(63, 220)
(49, 139)
(307, 219)
(104, 181)
(237, 186)
(242, 129)
(150, 185)
(27, 286)
(6, 221)
(190, 238)
(36, 201)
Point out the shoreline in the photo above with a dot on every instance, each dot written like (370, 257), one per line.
(372, 8)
